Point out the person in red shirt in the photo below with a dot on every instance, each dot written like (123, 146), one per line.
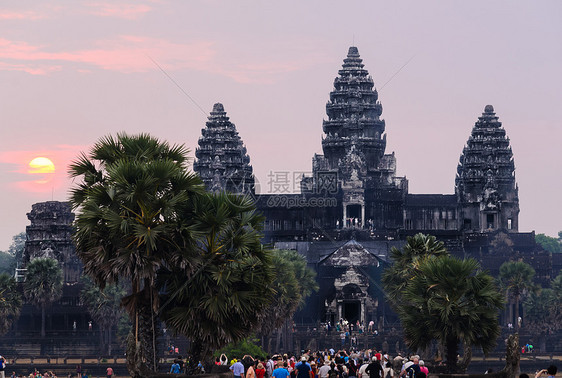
(109, 372)
(424, 368)
(260, 370)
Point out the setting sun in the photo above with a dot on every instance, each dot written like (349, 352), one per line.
(41, 165)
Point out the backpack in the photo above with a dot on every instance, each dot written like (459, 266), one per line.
(411, 372)
(333, 374)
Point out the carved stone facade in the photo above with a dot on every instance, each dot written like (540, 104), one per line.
(351, 300)
(485, 183)
(353, 208)
(221, 159)
(50, 235)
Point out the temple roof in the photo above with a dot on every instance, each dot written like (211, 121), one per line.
(221, 160)
(351, 253)
(487, 159)
(353, 115)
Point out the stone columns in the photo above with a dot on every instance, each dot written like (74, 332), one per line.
(362, 215)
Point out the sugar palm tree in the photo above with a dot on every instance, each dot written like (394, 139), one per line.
(406, 261)
(452, 301)
(294, 282)
(10, 302)
(104, 307)
(218, 297)
(516, 277)
(128, 195)
(43, 284)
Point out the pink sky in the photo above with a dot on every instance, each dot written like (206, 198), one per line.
(73, 71)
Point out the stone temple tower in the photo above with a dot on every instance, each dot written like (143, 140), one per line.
(49, 235)
(354, 164)
(221, 159)
(485, 184)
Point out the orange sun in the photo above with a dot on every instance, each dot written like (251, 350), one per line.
(41, 165)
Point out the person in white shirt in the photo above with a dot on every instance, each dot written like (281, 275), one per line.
(324, 370)
(362, 373)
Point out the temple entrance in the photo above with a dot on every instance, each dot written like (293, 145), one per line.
(353, 214)
(352, 311)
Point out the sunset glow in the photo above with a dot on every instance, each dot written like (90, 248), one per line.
(41, 165)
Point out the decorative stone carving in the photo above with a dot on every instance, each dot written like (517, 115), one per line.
(221, 159)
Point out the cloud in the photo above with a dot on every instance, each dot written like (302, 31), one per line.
(20, 15)
(125, 54)
(131, 54)
(30, 68)
(15, 165)
(130, 11)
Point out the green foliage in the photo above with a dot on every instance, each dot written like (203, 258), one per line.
(218, 297)
(43, 281)
(550, 244)
(17, 247)
(544, 310)
(450, 300)
(124, 327)
(9, 260)
(10, 302)
(129, 193)
(102, 304)
(239, 349)
(7, 263)
(43, 284)
(128, 198)
(516, 277)
(439, 297)
(406, 262)
(294, 282)
(193, 258)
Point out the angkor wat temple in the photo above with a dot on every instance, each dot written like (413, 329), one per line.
(349, 213)
(353, 208)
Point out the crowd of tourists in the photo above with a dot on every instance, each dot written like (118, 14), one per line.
(328, 364)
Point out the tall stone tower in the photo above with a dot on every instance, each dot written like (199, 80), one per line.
(354, 163)
(49, 235)
(485, 183)
(353, 125)
(221, 159)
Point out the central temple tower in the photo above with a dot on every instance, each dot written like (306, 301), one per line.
(354, 164)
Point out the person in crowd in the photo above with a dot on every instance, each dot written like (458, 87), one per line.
(2, 367)
(237, 369)
(260, 370)
(270, 366)
(361, 373)
(175, 368)
(303, 368)
(248, 363)
(424, 368)
(324, 369)
(223, 360)
(374, 369)
(281, 371)
(550, 372)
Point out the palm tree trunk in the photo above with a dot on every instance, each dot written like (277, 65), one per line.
(153, 328)
(109, 341)
(42, 320)
(196, 349)
(517, 313)
(101, 338)
(451, 347)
